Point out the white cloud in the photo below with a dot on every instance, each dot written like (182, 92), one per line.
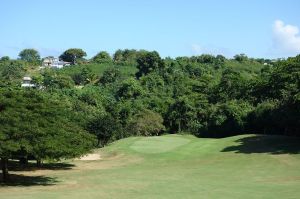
(286, 38)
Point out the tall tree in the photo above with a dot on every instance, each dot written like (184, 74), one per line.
(102, 57)
(39, 124)
(148, 62)
(30, 55)
(12, 70)
(105, 127)
(126, 57)
(110, 75)
(130, 89)
(241, 57)
(5, 58)
(146, 123)
(72, 55)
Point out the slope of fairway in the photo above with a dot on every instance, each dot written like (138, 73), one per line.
(158, 144)
(173, 166)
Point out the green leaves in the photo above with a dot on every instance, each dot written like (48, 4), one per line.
(105, 127)
(12, 70)
(72, 55)
(30, 55)
(110, 75)
(130, 88)
(148, 62)
(146, 123)
(39, 124)
(102, 57)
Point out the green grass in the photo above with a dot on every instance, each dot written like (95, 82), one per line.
(174, 166)
(247, 69)
(98, 69)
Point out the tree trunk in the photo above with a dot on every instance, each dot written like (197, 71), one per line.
(98, 143)
(39, 163)
(179, 126)
(24, 160)
(4, 163)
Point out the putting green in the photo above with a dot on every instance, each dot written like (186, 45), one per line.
(158, 144)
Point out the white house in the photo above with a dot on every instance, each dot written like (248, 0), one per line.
(54, 62)
(27, 82)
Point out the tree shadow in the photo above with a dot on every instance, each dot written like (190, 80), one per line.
(272, 144)
(22, 180)
(31, 166)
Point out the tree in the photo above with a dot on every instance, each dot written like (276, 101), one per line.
(219, 61)
(51, 80)
(148, 62)
(38, 124)
(228, 118)
(110, 75)
(126, 57)
(12, 70)
(261, 119)
(102, 57)
(72, 55)
(30, 55)
(146, 123)
(5, 58)
(221, 58)
(130, 89)
(231, 85)
(284, 81)
(180, 113)
(105, 127)
(118, 56)
(240, 57)
(206, 58)
(84, 77)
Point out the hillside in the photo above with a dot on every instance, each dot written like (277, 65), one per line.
(174, 166)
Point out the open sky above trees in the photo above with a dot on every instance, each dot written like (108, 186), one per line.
(268, 29)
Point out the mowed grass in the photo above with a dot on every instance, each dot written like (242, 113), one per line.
(174, 166)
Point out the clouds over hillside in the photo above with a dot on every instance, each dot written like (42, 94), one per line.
(286, 38)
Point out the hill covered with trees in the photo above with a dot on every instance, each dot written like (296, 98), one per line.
(138, 93)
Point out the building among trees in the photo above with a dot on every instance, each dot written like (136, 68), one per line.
(27, 82)
(54, 62)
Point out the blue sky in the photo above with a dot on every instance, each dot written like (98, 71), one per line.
(258, 28)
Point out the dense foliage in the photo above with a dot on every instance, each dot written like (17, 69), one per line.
(31, 56)
(36, 124)
(139, 93)
(73, 55)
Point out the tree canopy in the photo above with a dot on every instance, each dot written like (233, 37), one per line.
(102, 57)
(30, 55)
(72, 55)
(36, 124)
(140, 93)
(147, 62)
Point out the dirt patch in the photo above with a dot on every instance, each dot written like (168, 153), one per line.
(91, 156)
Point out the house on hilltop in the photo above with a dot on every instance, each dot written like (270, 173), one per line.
(54, 62)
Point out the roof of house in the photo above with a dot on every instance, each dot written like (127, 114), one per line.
(27, 78)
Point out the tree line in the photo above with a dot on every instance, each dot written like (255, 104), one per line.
(138, 93)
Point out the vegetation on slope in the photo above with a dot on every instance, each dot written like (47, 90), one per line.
(139, 93)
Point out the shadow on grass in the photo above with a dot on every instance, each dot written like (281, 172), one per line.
(271, 144)
(22, 180)
(16, 166)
